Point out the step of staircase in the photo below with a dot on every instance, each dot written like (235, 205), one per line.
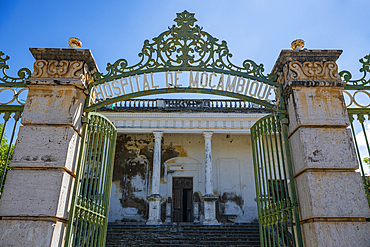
(182, 234)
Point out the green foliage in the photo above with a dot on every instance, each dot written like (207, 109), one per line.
(4, 148)
(367, 160)
(367, 180)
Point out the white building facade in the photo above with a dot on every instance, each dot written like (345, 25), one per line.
(184, 127)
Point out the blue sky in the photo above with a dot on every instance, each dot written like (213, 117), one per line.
(256, 30)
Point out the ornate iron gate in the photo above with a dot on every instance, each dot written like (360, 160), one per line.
(275, 188)
(11, 109)
(358, 107)
(88, 217)
(358, 123)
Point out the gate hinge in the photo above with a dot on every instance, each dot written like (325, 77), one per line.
(284, 121)
(85, 120)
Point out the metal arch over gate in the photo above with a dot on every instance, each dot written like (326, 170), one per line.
(185, 47)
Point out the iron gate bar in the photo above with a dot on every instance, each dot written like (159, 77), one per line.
(272, 129)
(361, 119)
(11, 108)
(8, 111)
(183, 90)
(275, 211)
(267, 161)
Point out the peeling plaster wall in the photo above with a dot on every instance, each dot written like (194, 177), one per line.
(183, 156)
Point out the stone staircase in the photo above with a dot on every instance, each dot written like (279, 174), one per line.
(182, 234)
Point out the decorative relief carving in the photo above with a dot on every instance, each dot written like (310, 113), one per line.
(39, 69)
(57, 68)
(309, 74)
(325, 71)
(61, 69)
(75, 69)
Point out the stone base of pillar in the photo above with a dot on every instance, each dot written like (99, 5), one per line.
(154, 209)
(168, 212)
(196, 212)
(38, 233)
(210, 210)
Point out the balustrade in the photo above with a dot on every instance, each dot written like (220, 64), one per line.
(184, 104)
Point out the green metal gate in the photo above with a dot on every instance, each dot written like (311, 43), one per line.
(275, 189)
(360, 118)
(9, 115)
(11, 108)
(88, 217)
(357, 93)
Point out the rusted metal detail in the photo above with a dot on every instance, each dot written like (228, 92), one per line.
(65, 169)
(47, 218)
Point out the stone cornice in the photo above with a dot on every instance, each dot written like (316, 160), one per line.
(62, 67)
(307, 68)
(60, 54)
(291, 84)
(302, 56)
(183, 122)
(180, 115)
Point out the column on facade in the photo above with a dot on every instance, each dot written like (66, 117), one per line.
(209, 198)
(34, 205)
(155, 198)
(331, 196)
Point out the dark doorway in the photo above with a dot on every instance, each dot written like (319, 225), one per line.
(182, 203)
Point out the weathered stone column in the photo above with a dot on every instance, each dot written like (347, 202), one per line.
(209, 198)
(155, 198)
(34, 205)
(331, 196)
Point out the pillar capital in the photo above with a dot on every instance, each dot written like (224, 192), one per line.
(310, 79)
(157, 134)
(307, 68)
(58, 66)
(207, 134)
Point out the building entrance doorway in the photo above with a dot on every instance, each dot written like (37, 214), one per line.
(182, 194)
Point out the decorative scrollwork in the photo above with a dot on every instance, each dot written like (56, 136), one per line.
(327, 71)
(9, 81)
(347, 76)
(184, 46)
(362, 101)
(15, 97)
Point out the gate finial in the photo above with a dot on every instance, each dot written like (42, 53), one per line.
(297, 44)
(74, 43)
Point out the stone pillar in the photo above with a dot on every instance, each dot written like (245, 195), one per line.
(155, 198)
(34, 205)
(209, 198)
(331, 196)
